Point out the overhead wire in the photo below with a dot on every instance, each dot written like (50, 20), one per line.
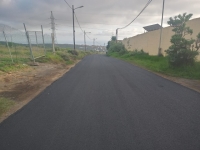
(77, 20)
(81, 27)
(68, 4)
(137, 15)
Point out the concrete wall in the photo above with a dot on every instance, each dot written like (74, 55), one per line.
(149, 41)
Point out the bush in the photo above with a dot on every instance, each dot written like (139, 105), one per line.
(117, 47)
(64, 56)
(181, 52)
(73, 52)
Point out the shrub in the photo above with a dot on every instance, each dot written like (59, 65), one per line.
(64, 56)
(73, 52)
(181, 52)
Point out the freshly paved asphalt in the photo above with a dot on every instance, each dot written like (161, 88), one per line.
(106, 104)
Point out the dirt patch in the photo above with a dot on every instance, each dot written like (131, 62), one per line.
(192, 84)
(22, 86)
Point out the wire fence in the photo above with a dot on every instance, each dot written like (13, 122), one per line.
(16, 48)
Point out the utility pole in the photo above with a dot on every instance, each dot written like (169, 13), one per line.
(117, 34)
(94, 42)
(85, 38)
(53, 31)
(159, 48)
(73, 26)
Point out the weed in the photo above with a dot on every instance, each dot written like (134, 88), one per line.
(5, 104)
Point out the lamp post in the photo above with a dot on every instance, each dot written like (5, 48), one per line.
(85, 38)
(73, 23)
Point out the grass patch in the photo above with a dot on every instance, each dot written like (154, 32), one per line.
(5, 104)
(21, 56)
(160, 65)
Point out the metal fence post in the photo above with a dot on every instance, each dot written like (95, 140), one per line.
(8, 46)
(43, 40)
(28, 39)
(36, 38)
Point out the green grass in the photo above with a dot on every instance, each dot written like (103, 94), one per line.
(5, 104)
(160, 65)
(21, 57)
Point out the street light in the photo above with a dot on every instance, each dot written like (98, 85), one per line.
(73, 22)
(85, 39)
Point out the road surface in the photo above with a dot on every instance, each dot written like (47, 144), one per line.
(106, 104)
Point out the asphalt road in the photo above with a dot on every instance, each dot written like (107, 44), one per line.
(106, 104)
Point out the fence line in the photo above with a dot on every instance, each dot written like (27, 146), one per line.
(14, 46)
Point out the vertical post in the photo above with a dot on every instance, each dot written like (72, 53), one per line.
(11, 37)
(8, 46)
(43, 40)
(84, 40)
(16, 53)
(73, 26)
(52, 36)
(36, 38)
(29, 43)
(116, 35)
(94, 43)
(159, 48)
(53, 31)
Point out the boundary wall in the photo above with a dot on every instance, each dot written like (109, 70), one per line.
(149, 41)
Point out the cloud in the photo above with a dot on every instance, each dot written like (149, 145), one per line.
(99, 17)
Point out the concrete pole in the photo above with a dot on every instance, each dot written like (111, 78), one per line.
(116, 34)
(84, 40)
(159, 48)
(73, 27)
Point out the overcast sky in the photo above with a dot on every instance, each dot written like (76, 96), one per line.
(100, 17)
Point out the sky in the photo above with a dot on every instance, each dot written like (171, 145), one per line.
(99, 17)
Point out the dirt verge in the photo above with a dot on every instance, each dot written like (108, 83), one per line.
(22, 86)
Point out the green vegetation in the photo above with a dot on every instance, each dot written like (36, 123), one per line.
(183, 51)
(5, 104)
(154, 63)
(21, 56)
(61, 56)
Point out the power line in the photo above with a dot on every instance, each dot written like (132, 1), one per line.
(138, 14)
(68, 4)
(80, 26)
(133, 19)
(78, 23)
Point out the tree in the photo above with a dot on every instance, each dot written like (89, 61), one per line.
(182, 51)
(113, 38)
(115, 47)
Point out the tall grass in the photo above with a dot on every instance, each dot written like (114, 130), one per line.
(160, 65)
